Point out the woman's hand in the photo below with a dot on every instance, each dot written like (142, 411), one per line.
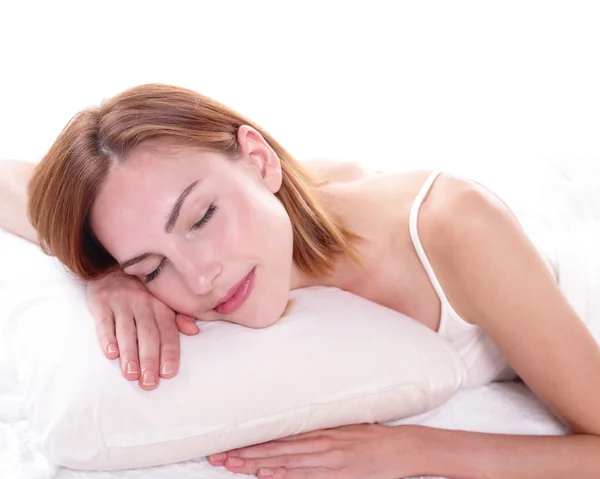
(349, 452)
(133, 324)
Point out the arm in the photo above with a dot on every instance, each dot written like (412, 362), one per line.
(474, 455)
(494, 277)
(14, 178)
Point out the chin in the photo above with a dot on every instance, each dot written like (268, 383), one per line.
(267, 315)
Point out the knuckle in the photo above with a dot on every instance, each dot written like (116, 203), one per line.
(104, 321)
(169, 331)
(148, 362)
(167, 325)
(169, 345)
(126, 331)
(128, 353)
(148, 331)
(125, 325)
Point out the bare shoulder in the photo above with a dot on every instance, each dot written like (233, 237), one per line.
(458, 206)
(463, 227)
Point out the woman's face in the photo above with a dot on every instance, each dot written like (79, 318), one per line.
(197, 228)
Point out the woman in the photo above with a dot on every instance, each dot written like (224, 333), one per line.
(175, 207)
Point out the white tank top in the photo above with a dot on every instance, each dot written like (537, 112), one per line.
(569, 242)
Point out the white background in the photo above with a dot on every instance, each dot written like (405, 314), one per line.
(391, 84)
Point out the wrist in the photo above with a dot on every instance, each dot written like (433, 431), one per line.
(412, 453)
(447, 453)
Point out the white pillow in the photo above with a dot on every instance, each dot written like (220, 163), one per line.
(335, 359)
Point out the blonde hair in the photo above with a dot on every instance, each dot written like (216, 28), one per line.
(67, 180)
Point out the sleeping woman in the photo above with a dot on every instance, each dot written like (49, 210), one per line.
(174, 207)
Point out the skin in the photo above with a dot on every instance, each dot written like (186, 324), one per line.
(491, 273)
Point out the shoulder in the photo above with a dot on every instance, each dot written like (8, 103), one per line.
(457, 213)
(474, 244)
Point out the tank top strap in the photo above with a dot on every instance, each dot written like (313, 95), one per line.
(446, 307)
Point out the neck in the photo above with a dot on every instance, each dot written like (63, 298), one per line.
(344, 273)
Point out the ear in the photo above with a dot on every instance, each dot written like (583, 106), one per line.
(255, 150)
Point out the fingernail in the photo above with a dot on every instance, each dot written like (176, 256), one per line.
(217, 457)
(112, 349)
(235, 461)
(265, 472)
(132, 368)
(167, 368)
(149, 379)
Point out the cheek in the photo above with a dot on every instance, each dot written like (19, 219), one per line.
(242, 232)
(174, 295)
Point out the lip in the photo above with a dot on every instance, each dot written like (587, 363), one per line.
(236, 296)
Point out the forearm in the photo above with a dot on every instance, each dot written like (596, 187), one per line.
(14, 177)
(472, 455)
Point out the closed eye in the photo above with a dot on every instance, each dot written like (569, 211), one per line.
(206, 218)
(154, 274)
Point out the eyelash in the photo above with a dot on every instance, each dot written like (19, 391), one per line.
(212, 209)
(154, 274)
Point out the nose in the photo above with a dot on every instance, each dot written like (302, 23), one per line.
(200, 272)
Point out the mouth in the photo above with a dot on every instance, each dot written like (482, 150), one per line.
(236, 296)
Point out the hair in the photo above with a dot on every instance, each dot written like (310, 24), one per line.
(66, 182)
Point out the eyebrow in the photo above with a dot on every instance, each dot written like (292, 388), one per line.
(133, 261)
(169, 225)
(174, 214)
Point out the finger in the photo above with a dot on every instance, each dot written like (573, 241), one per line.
(280, 448)
(293, 461)
(127, 340)
(186, 324)
(347, 431)
(105, 329)
(148, 344)
(169, 341)
(274, 447)
(304, 473)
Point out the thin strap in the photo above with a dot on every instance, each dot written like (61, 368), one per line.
(414, 234)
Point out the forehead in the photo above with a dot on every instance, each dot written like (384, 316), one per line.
(164, 161)
(135, 200)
